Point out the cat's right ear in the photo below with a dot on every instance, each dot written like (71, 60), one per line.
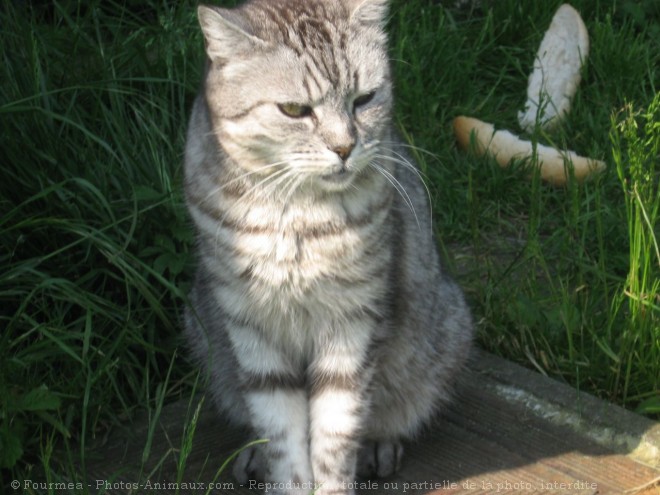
(226, 32)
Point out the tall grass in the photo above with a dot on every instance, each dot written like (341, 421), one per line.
(95, 241)
(636, 152)
(545, 267)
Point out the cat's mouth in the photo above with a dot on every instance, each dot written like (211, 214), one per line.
(340, 177)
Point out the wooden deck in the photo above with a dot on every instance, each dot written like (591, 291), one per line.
(509, 431)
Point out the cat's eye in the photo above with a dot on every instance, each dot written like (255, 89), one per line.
(362, 100)
(295, 110)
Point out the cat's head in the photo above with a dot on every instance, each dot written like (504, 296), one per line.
(299, 88)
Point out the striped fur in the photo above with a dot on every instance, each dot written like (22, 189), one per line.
(319, 307)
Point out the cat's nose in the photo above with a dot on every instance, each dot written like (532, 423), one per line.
(344, 151)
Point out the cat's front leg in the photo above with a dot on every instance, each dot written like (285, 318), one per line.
(280, 416)
(277, 404)
(338, 406)
(334, 446)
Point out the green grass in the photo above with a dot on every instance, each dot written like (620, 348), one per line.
(556, 272)
(95, 242)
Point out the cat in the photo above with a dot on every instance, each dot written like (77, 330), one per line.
(319, 307)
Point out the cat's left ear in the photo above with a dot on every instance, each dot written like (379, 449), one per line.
(227, 32)
(370, 12)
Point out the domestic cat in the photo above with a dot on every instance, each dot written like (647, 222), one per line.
(319, 307)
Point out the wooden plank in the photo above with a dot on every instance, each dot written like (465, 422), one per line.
(510, 430)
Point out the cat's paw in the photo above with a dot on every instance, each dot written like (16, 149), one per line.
(250, 465)
(379, 459)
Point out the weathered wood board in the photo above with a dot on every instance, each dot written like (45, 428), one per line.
(510, 430)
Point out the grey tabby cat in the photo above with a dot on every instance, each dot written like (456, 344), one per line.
(319, 306)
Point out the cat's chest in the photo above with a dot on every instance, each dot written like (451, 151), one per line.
(302, 242)
(296, 266)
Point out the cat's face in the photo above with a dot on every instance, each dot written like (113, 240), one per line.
(299, 90)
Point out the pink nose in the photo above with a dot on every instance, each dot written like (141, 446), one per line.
(343, 151)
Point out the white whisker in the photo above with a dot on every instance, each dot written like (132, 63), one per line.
(412, 147)
(257, 171)
(404, 161)
(292, 186)
(401, 160)
(399, 188)
(215, 190)
(270, 183)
